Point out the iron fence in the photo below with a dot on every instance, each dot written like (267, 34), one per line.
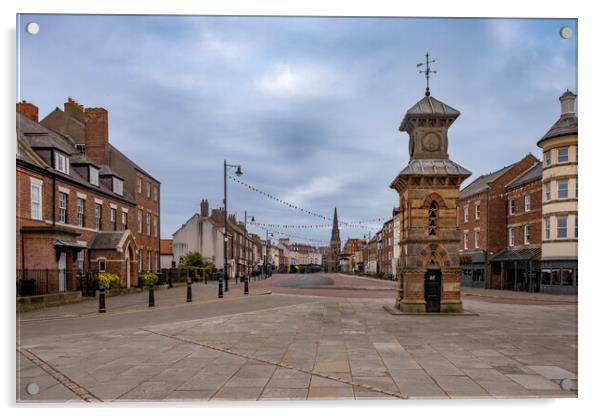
(31, 282)
(181, 275)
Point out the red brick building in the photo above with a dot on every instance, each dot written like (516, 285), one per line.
(482, 221)
(517, 266)
(88, 130)
(76, 203)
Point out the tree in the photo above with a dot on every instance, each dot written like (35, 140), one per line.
(192, 259)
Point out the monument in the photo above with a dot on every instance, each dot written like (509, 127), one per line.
(429, 189)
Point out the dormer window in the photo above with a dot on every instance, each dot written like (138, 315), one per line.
(61, 162)
(81, 148)
(93, 176)
(117, 186)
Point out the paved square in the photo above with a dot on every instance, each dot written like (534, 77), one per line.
(291, 347)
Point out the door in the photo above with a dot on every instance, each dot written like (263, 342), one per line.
(62, 271)
(127, 268)
(432, 290)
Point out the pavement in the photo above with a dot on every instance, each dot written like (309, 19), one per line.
(296, 341)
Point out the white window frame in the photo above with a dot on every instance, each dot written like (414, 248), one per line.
(477, 211)
(562, 181)
(103, 261)
(527, 202)
(97, 216)
(512, 206)
(155, 228)
(547, 156)
(117, 186)
(465, 214)
(124, 220)
(465, 240)
(63, 207)
(547, 191)
(36, 206)
(546, 228)
(94, 175)
(477, 239)
(139, 185)
(155, 193)
(113, 219)
(566, 227)
(526, 235)
(148, 223)
(140, 218)
(80, 209)
(148, 189)
(61, 162)
(511, 237)
(558, 155)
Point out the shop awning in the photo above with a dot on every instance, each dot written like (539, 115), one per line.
(517, 254)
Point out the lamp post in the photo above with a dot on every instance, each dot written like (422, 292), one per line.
(237, 173)
(267, 248)
(247, 243)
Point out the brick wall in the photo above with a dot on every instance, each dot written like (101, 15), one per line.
(521, 217)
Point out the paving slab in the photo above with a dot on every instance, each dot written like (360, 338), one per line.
(552, 372)
(534, 382)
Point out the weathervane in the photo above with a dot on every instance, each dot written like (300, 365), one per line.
(427, 72)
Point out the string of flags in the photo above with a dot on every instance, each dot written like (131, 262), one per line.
(313, 240)
(352, 224)
(303, 226)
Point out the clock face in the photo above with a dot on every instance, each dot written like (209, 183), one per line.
(431, 142)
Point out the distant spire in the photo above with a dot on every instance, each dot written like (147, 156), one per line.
(335, 227)
(427, 72)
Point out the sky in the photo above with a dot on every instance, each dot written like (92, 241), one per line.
(309, 107)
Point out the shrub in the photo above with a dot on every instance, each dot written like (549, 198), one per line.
(109, 280)
(148, 278)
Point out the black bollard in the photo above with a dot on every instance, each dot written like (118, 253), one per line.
(220, 289)
(101, 301)
(226, 284)
(169, 280)
(188, 291)
(236, 279)
(205, 278)
(246, 285)
(151, 295)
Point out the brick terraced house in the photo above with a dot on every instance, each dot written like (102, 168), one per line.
(482, 222)
(81, 204)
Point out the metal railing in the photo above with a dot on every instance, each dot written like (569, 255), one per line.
(32, 282)
(181, 275)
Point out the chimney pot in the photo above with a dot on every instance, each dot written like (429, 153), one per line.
(28, 110)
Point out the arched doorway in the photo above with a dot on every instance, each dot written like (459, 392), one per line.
(129, 268)
(432, 290)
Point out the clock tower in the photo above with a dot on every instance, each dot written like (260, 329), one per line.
(429, 189)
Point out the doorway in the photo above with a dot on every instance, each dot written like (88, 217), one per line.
(62, 271)
(432, 290)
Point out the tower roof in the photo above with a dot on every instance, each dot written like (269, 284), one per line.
(429, 107)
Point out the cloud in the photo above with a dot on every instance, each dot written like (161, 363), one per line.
(304, 81)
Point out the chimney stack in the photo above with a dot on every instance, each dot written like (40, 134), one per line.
(28, 110)
(204, 208)
(97, 135)
(567, 104)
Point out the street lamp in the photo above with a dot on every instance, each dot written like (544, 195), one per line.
(247, 242)
(237, 173)
(267, 247)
